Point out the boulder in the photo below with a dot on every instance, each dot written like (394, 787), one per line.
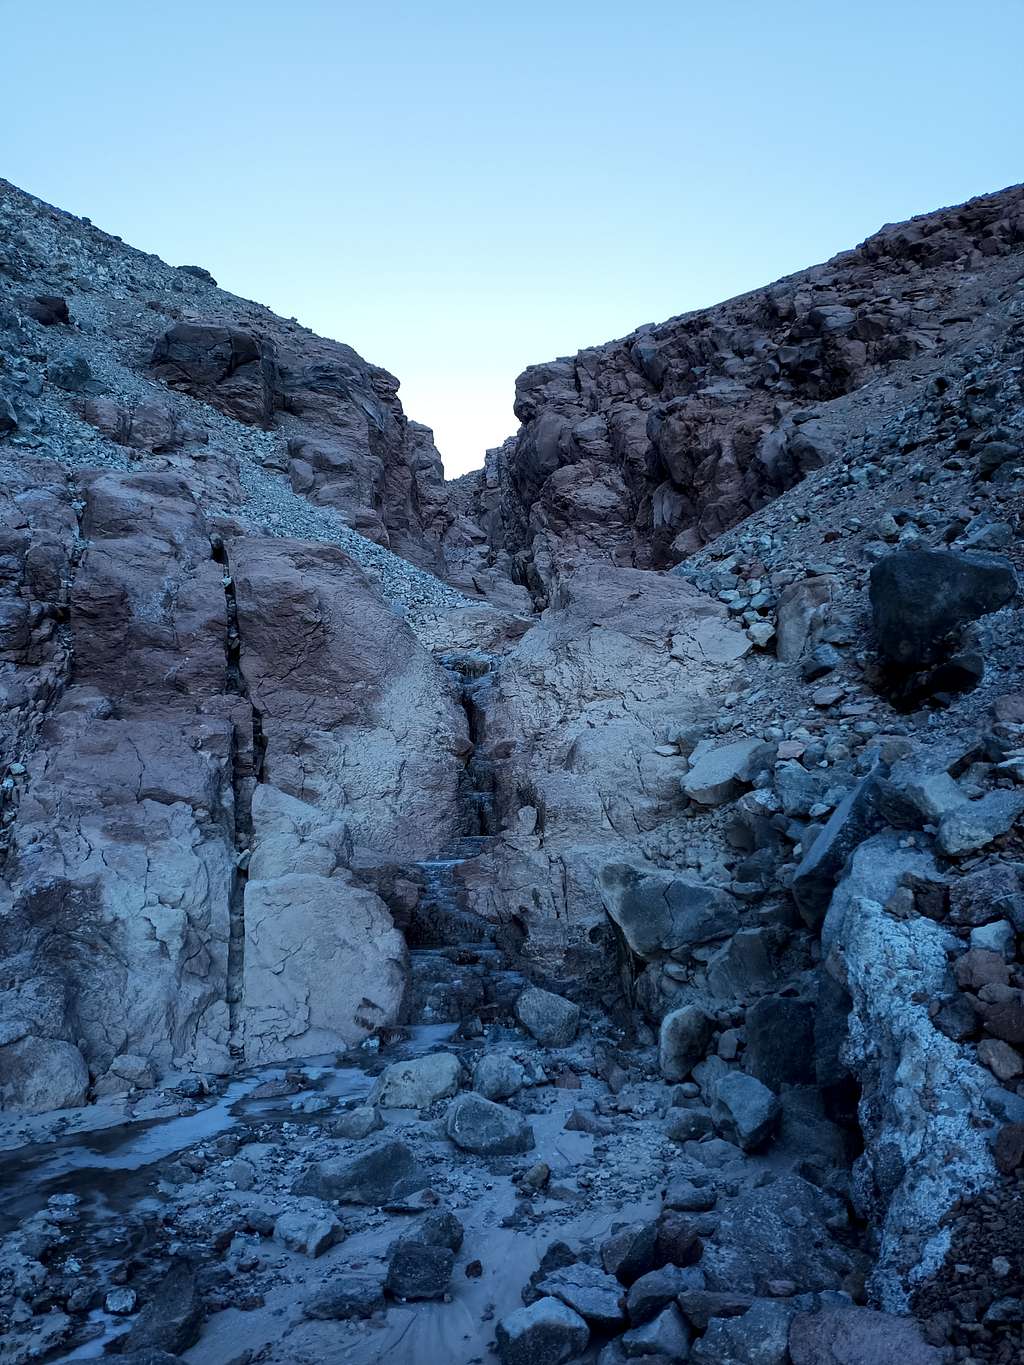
(346, 1296)
(683, 1041)
(171, 1320)
(662, 913)
(550, 1018)
(857, 816)
(778, 1231)
(548, 1332)
(631, 1251)
(780, 1041)
(418, 1083)
(745, 1110)
(593, 1293)
(308, 1231)
(487, 1129)
(858, 1336)
(920, 597)
(760, 1336)
(667, 1334)
(497, 1076)
(419, 1271)
(800, 614)
(38, 1074)
(974, 824)
(718, 773)
(656, 1290)
(384, 1175)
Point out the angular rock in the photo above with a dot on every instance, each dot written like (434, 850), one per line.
(746, 1111)
(418, 1083)
(717, 774)
(384, 1175)
(974, 824)
(683, 1041)
(661, 913)
(487, 1129)
(857, 816)
(550, 1018)
(347, 1296)
(632, 1251)
(594, 1294)
(780, 1041)
(308, 1232)
(858, 1336)
(759, 1337)
(918, 597)
(667, 1334)
(419, 1271)
(548, 1332)
(172, 1318)
(656, 1290)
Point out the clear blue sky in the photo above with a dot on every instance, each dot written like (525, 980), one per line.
(461, 189)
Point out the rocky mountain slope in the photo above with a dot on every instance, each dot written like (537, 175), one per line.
(572, 912)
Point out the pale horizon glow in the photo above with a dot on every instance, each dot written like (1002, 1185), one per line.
(459, 191)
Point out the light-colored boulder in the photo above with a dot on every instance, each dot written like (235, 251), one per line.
(418, 1083)
(324, 966)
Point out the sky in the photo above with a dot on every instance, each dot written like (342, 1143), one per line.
(459, 190)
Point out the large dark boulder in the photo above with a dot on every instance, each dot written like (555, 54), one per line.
(921, 597)
(171, 1320)
(233, 370)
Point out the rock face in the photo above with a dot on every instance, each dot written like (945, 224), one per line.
(708, 878)
(638, 451)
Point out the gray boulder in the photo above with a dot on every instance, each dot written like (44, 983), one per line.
(497, 1076)
(780, 1041)
(594, 1294)
(663, 913)
(419, 1271)
(759, 1337)
(487, 1129)
(550, 1018)
(384, 1175)
(718, 773)
(420, 1082)
(667, 1334)
(856, 818)
(858, 1336)
(683, 1041)
(974, 824)
(920, 597)
(746, 1110)
(548, 1332)
(172, 1318)
(350, 1296)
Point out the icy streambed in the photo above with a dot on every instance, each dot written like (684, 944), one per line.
(97, 1162)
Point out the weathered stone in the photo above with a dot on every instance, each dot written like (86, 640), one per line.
(487, 1129)
(594, 1294)
(717, 774)
(660, 913)
(419, 1271)
(310, 1232)
(384, 1175)
(349, 1296)
(548, 1332)
(780, 1041)
(551, 1018)
(918, 597)
(498, 1076)
(759, 1337)
(171, 1320)
(858, 1336)
(418, 1083)
(683, 1041)
(746, 1111)
(974, 824)
(666, 1334)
